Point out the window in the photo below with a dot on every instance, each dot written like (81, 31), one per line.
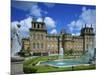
(41, 45)
(42, 36)
(34, 45)
(41, 25)
(47, 38)
(37, 45)
(38, 36)
(38, 26)
(33, 36)
(34, 26)
(48, 46)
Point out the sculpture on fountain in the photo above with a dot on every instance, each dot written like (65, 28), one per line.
(16, 44)
(15, 41)
(90, 55)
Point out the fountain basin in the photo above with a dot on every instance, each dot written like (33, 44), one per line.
(64, 63)
(17, 59)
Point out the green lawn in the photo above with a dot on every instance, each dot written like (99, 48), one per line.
(29, 66)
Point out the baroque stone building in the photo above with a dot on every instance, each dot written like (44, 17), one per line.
(41, 43)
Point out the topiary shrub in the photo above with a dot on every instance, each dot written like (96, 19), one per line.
(29, 69)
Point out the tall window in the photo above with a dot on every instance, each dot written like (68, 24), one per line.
(38, 26)
(37, 36)
(41, 25)
(34, 26)
(37, 45)
(33, 36)
(41, 45)
(42, 36)
(33, 45)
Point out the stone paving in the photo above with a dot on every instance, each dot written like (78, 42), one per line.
(16, 68)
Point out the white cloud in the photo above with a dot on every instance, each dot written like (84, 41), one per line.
(75, 26)
(39, 19)
(31, 7)
(14, 24)
(25, 25)
(88, 17)
(50, 23)
(35, 11)
(53, 31)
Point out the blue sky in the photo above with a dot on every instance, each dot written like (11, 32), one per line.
(56, 16)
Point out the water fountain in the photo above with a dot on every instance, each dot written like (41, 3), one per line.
(89, 56)
(60, 59)
(61, 54)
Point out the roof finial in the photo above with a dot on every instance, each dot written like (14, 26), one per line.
(42, 19)
(82, 27)
(33, 20)
(63, 31)
(85, 25)
(91, 25)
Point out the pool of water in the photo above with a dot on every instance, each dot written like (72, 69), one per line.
(64, 63)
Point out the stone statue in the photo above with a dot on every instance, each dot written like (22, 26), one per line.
(15, 40)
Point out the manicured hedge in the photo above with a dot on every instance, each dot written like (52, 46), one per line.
(89, 67)
(30, 66)
(29, 69)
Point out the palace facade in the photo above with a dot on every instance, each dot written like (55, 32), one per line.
(41, 43)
